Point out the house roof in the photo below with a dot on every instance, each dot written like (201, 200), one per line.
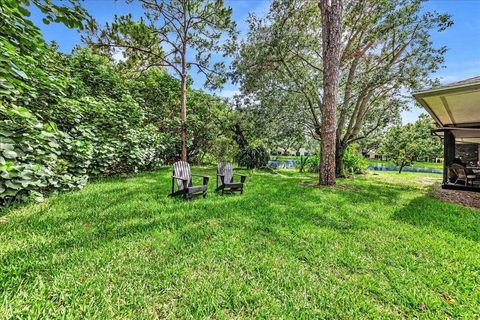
(462, 135)
(453, 105)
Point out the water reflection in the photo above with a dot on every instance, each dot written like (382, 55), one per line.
(282, 163)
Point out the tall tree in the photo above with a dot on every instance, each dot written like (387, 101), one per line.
(177, 34)
(386, 52)
(405, 144)
(331, 33)
(401, 145)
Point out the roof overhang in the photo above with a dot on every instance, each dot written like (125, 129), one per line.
(462, 135)
(455, 105)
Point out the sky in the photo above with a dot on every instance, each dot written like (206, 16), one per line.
(462, 59)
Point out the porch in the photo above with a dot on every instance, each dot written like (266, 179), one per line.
(456, 110)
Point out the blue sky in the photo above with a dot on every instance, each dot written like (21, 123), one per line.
(463, 39)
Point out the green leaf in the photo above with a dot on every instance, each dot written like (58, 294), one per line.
(9, 154)
(11, 185)
(7, 146)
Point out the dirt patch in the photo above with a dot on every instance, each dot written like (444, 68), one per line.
(428, 180)
(465, 198)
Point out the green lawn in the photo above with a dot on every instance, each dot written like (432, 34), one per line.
(373, 247)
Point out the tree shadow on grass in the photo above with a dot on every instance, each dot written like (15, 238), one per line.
(426, 212)
(134, 208)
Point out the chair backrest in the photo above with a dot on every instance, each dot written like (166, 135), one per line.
(182, 169)
(225, 169)
(459, 170)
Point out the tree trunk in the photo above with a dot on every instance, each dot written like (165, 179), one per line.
(239, 136)
(331, 11)
(184, 112)
(339, 168)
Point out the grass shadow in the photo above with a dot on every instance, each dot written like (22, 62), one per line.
(427, 212)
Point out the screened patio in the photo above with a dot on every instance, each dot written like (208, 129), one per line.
(456, 110)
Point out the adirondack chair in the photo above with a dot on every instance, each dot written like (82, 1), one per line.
(225, 173)
(183, 176)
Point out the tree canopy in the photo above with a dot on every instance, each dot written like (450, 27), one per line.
(404, 144)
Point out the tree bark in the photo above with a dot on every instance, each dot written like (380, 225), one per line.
(184, 110)
(239, 136)
(339, 167)
(331, 11)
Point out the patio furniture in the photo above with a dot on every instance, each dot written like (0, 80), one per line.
(225, 173)
(182, 174)
(459, 173)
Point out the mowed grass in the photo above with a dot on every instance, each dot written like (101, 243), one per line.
(373, 247)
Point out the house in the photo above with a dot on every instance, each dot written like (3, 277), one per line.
(289, 152)
(371, 154)
(455, 107)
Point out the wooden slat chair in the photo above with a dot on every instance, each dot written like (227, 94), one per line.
(182, 174)
(225, 173)
(459, 173)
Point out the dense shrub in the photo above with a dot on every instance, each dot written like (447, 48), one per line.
(253, 157)
(353, 161)
(31, 158)
(313, 164)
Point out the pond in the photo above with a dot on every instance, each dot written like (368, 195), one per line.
(380, 167)
(286, 163)
(282, 163)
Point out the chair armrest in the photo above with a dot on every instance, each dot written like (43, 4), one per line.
(180, 178)
(184, 181)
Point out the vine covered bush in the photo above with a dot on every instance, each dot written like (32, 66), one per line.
(65, 118)
(31, 159)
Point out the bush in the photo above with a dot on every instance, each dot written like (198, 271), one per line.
(253, 157)
(100, 138)
(31, 160)
(313, 164)
(353, 161)
(302, 163)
